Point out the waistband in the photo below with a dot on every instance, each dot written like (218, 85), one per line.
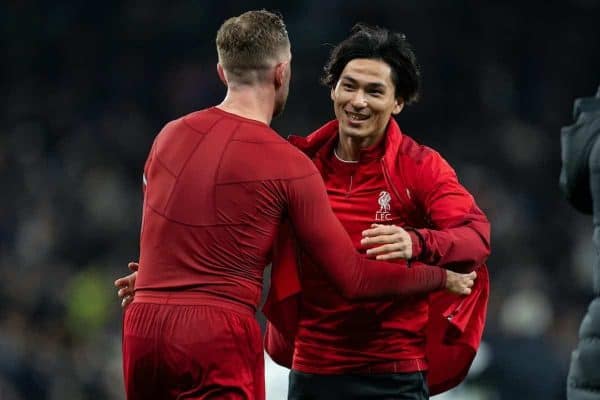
(388, 367)
(415, 365)
(193, 299)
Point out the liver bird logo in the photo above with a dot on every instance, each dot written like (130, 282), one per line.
(384, 201)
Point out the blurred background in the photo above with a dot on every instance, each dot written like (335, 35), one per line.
(85, 86)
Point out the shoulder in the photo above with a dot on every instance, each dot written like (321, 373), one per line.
(294, 163)
(422, 166)
(416, 152)
(421, 156)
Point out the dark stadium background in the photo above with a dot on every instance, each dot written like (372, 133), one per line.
(85, 86)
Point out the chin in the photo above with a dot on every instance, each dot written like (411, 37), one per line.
(355, 132)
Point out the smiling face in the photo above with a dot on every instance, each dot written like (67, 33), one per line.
(364, 99)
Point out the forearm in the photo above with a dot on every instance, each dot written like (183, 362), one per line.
(460, 248)
(362, 278)
(458, 236)
(323, 237)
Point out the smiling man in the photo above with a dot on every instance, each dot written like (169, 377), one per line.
(363, 101)
(398, 200)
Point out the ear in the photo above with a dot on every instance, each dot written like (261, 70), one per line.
(221, 73)
(280, 74)
(332, 94)
(398, 106)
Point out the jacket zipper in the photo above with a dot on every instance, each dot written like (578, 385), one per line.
(456, 310)
(406, 201)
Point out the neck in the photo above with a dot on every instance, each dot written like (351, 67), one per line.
(348, 147)
(252, 102)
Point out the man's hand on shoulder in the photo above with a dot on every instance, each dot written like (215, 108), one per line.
(394, 242)
(126, 285)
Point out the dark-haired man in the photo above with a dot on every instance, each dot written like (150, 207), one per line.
(217, 183)
(400, 200)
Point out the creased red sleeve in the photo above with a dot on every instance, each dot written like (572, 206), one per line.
(323, 237)
(460, 235)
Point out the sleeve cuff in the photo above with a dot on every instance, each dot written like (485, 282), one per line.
(444, 275)
(417, 243)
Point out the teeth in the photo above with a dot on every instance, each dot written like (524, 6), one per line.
(356, 117)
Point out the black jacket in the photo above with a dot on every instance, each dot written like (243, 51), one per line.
(580, 182)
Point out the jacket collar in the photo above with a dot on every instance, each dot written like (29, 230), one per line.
(320, 143)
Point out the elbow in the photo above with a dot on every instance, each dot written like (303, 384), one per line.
(481, 244)
(486, 247)
(480, 256)
(487, 251)
(482, 252)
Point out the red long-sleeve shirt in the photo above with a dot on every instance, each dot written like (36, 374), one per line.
(217, 187)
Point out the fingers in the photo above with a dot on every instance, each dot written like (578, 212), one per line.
(122, 282)
(387, 248)
(126, 301)
(468, 282)
(460, 284)
(128, 280)
(382, 239)
(395, 255)
(125, 292)
(126, 285)
(377, 230)
(463, 290)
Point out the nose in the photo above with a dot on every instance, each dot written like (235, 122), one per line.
(359, 100)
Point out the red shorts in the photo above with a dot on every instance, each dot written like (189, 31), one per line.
(191, 352)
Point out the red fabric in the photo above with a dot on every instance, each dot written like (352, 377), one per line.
(453, 232)
(217, 188)
(340, 336)
(284, 257)
(192, 352)
(454, 333)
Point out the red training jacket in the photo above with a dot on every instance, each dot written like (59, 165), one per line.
(447, 229)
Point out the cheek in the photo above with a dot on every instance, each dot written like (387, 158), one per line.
(338, 102)
(381, 118)
(338, 107)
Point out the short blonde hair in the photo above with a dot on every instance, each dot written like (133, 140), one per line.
(251, 41)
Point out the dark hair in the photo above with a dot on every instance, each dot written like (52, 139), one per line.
(381, 44)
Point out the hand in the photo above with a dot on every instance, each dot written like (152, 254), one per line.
(395, 242)
(126, 285)
(460, 283)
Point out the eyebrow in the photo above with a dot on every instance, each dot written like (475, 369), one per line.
(370, 85)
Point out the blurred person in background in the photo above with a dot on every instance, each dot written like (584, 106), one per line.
(217, 184)
(580, 182)
(375, 174)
